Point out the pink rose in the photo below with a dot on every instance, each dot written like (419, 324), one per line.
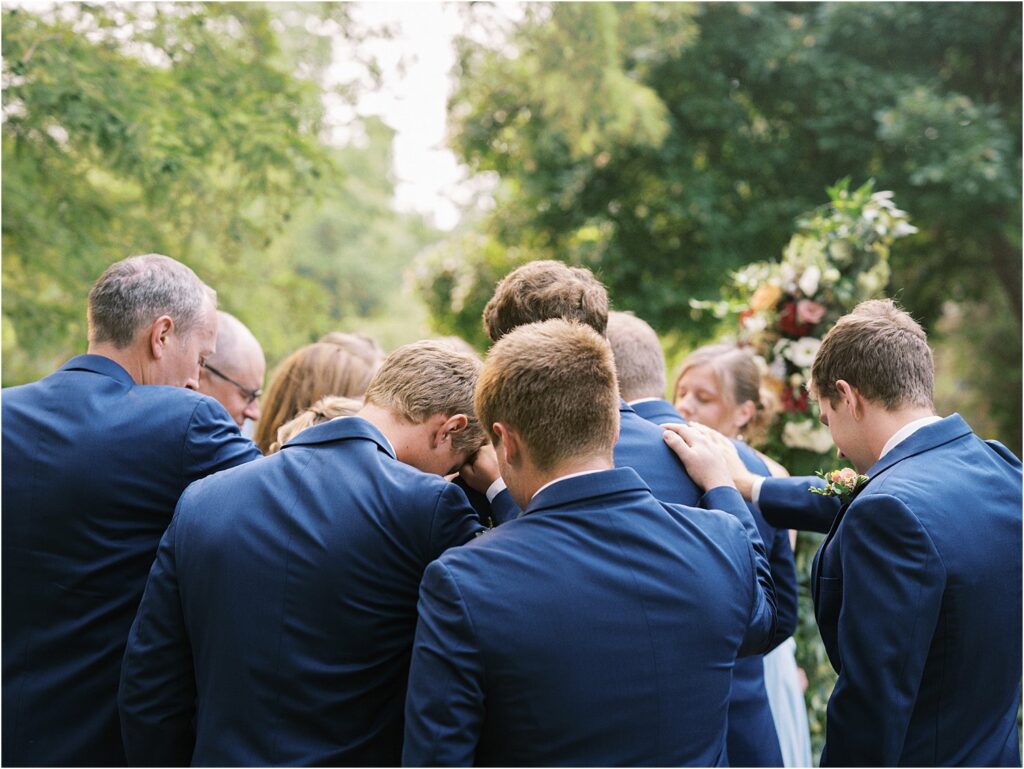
(846, 477)
(809, 312)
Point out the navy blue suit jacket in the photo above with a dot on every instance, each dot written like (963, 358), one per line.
(280, 612)
(917, 592)
(752, 740)
(642, 447)
(93, 466)
(614, 645)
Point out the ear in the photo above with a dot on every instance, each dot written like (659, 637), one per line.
(454, 424)
(508, 442)
(744, 413)
(852, 397)
(159, 335)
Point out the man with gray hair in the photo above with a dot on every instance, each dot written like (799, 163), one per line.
(233, 375)
(93, 465)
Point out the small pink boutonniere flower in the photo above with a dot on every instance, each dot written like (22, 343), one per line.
(840, 483)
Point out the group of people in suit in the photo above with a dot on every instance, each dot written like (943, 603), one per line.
(498, 562)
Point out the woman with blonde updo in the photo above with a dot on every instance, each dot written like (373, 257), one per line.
(720, 386)
(324, 410)
(306, 376)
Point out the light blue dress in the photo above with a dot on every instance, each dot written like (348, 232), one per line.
(787, 703)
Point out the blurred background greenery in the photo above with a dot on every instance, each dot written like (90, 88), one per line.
(663, 145)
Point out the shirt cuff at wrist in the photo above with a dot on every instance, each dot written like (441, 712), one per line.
(755, 491)
(495, 489)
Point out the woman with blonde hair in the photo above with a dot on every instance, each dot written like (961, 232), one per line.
(324, 410)
(306, 376)
(720, 386)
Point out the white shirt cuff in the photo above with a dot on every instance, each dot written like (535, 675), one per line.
(495, 489)
(755, 491)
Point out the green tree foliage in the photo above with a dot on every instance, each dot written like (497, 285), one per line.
(183, 129)
(666, 145)
(344, 255)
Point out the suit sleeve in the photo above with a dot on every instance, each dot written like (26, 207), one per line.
(761, 628)
(504, 508)
(213, 442)
(783, 566)
(157, 694)
(455, 522)
(893, 583)
(786, 503)
(444, 706)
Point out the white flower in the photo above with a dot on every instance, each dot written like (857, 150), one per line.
(795, 380)
(809, 280)
(869, 282)
(902, 228)
(755, 324)
(841, 251)
(778, 369)
(804, 434)
(803, 350)
(831, 276)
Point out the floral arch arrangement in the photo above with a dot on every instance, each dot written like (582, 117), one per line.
(838, 257)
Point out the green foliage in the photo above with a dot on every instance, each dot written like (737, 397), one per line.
(748, 110)
(192, 130)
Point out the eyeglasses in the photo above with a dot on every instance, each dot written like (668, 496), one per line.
(250, 395)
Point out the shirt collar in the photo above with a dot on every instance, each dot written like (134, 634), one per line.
(906, 431)
(642, 400)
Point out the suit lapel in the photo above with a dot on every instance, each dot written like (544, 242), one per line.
(925, 439)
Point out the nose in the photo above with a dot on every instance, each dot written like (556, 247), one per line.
(685, 406)
(252, 411)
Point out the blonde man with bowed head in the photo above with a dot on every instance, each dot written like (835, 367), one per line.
(753, 735)
(278, 618)
(233, 374)
(917, 586)
(616, 644)
(95, 457)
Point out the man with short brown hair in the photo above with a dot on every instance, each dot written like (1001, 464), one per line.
(614, 645)
(917, 587)
(279, 615)
(543, 290)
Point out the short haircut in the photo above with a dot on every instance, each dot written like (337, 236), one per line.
(739, 381)
(425, 378)
(555, 383)
(882, 351)
(639, 361)
(303, 378)
(134, 292)
(543, 290)
(324, 410)
(234, 343)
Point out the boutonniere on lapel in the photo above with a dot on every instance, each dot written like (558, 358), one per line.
(843, 483)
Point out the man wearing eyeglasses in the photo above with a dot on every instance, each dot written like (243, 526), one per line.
(233, 375)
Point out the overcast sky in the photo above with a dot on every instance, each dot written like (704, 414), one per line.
(428, 177)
